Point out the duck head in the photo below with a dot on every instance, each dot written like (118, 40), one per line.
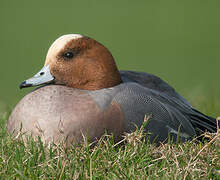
(79, 62)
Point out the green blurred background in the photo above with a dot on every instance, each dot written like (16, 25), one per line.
(176, 40)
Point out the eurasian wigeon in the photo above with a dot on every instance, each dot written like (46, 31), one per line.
(84, 94)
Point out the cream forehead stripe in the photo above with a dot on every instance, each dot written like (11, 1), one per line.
(59, 43)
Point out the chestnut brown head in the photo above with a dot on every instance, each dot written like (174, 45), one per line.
(77, 61)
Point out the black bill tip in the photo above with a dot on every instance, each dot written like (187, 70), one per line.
(24, 85)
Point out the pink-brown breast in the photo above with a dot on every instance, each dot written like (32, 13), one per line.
(57, 113)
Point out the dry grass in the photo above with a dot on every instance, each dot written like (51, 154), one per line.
(132, 158)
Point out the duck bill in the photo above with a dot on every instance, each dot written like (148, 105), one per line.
(42, 77)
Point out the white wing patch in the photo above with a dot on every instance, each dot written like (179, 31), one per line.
(171, 130)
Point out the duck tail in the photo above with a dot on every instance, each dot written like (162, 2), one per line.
(203, 123)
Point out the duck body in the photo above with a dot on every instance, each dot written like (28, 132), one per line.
(57, 113)
(62, 112)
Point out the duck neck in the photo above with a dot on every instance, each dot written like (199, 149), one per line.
(99, 81)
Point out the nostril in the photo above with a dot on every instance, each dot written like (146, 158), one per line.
(41, 73)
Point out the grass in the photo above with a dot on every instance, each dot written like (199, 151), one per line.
(132, 158)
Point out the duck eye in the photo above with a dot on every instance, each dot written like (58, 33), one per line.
(68, 55)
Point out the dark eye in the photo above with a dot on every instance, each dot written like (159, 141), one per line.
(68, 55)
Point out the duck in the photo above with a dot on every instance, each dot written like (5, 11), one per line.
(81, 94)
